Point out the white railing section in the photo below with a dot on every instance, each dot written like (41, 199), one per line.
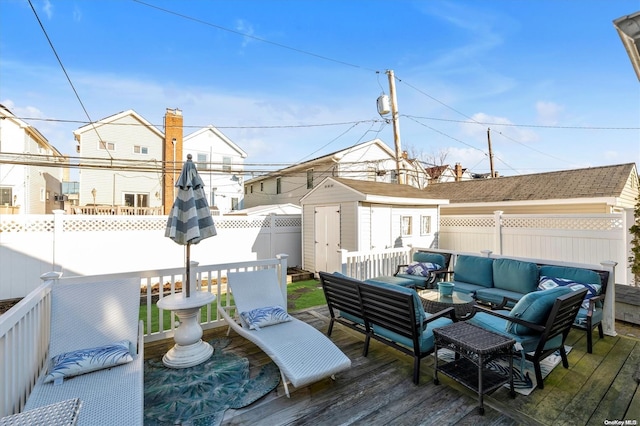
(365, 265)
(24, 345)
(24, 329)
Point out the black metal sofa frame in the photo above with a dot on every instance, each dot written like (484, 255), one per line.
(378, 313)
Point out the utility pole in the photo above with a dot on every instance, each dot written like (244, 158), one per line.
(490, 153)
(396, 124)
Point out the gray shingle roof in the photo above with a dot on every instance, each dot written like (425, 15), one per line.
(382, 188)
(605, 181)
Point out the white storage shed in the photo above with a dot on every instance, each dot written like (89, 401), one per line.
(358, 215)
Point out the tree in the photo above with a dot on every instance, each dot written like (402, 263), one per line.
(634, 259)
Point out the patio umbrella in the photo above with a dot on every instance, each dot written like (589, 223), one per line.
(190, 219)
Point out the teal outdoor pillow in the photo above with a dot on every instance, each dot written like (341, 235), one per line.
(474, 270)
(515, 275)
(534, 307)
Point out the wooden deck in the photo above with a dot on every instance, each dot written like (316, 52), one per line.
(378, 390)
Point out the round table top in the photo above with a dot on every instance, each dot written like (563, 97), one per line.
(179, 301)
(457, 298)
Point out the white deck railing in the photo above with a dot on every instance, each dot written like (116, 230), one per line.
(24, 329)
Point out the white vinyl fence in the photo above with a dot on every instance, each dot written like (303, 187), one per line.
(31, 245)
(580, 238)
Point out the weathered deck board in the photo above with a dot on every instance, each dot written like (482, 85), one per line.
(378, 390)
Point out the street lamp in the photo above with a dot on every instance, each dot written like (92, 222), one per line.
(628, 28)
(94, 192)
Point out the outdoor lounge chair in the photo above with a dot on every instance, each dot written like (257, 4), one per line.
(303, 354)
(86, 314)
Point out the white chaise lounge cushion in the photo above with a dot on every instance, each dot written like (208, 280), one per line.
(303, 354)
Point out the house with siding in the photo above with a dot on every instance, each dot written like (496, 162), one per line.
(220, 164)
(31, 169)
(121, 158)
(372, 161)
(603, 189)
(127, 161)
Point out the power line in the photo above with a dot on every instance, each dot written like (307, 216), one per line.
(283, 46)
(65, 71)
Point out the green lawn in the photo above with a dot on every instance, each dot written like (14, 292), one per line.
(301, 295)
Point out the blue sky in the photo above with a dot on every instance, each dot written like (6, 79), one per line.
(550, 78)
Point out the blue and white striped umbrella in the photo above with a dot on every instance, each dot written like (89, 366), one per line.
(190, 219)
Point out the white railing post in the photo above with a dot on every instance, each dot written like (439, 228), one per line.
(486, 253)
(609, 308)
(282, 274)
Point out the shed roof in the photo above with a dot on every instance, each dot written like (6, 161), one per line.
(593, 182)
(388, 192)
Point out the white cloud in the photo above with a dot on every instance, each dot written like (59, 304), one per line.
(48, 9)
(500, 126)
(245, 28)
(548, 113)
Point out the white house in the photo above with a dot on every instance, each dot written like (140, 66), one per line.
(220, 163)
(121, 161)
(31, 169)
(371, 161)
(358, 215)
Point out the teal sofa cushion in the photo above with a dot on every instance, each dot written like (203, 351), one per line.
(423, 257)
(497, 295)
(581, 318)
(585, 276)
(474, 270)
(529, 342)
(515, 275)
(426, 339)
(534, 307)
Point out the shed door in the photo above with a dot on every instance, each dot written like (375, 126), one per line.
(327, 238)
(380, 227)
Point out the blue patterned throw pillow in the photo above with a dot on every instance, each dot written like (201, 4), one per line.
(593, 290)
(422, 268)
(264, 317)
(83, 361)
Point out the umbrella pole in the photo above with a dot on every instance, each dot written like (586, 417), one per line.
(188, 278)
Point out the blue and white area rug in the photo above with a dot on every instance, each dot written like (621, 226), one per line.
(524, 379)
(200, 395)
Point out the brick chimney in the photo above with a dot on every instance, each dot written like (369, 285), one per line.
(172, 156)
(458, 172)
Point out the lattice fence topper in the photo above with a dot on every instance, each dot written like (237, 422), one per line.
(115, 224)
(475, 222)
(37, 224)
(583, 224)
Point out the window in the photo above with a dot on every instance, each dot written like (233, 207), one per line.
(136, 200)
(137, 149)
(405, 225)
(226, 164)
(394, 176)
(234, 203)
(310, 179)
(6, 196)
(425, 225)
(202, 162)
(278, 186)
(110, 146)
(261, 186)
(251, 188)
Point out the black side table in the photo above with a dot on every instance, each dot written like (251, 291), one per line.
(474, 347)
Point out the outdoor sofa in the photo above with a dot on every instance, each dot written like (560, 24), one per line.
(388, 313)
(425, 268)
(501, 282)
